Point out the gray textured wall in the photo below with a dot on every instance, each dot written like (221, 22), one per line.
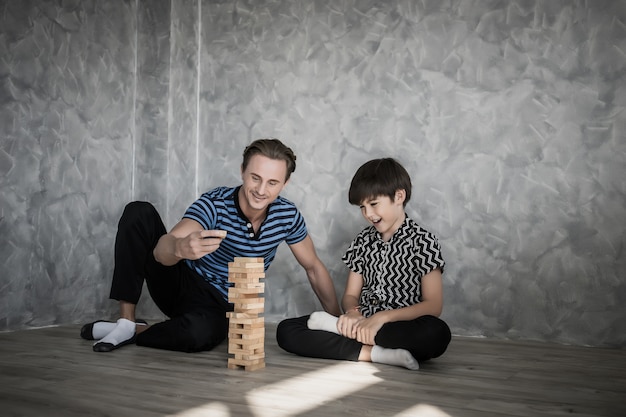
(509, 115)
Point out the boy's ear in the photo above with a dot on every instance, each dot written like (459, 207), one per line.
(400, 196)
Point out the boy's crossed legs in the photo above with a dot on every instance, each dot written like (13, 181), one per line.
(321, 320)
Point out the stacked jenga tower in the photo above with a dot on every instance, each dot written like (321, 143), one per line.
(246, 330)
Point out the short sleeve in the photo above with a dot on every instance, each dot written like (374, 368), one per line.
(298, 230)
(429, 254)
(203, 211)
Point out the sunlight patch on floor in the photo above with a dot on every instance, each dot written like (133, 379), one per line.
(311, 390)
(423, 410)
(306, 392)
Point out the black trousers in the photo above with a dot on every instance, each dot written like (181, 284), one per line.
(197, 312)
(426, 337)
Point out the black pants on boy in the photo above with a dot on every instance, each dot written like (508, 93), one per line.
(197, 312)
(426, 337)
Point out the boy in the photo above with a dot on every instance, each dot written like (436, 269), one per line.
(393, 294)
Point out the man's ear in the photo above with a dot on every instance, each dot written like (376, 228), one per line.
(400, 196)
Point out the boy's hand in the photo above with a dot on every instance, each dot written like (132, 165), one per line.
(346, 325)
(367, 329)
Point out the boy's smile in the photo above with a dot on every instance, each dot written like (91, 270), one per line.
(385, 214)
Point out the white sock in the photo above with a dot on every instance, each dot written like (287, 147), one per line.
(321, 320)
(102, 328)
(124, 330)
(397, 357)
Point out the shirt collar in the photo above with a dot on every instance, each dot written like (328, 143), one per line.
(402, 232)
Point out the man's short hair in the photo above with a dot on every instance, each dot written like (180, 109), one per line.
(379, 177)
(273, 149)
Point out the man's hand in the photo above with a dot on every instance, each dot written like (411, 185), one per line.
(346, 325)
(198, 244)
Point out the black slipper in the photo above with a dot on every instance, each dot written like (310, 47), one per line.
(108, 347)
(86, 332)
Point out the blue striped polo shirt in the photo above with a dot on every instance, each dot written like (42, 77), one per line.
(219, 209)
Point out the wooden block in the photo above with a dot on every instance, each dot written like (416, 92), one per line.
(240, 361)
(239, 334)
(244, 318)
(257, 310)
(243, 302)
(246, 265)
(236, 347)
(247, 367)
(249, 260)
(246, 299)
(245, 268)
(252, 365)
(240, 353)
(252, 357)
(246, 333)
(247, 344)
(233, 327)
(246, 294)
(241, 276)
(257, 332)
(246, 305)
(246, 347)
(248, 288)
(242, 306)
(258, 325)
(260, 331)
(241, 316)
(252, 309)
(232, 268)
(243, 281)
(247, 329)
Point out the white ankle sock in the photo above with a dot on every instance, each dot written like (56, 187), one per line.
(124, 330)
(321, 320)
(397, 357)
(102, 328)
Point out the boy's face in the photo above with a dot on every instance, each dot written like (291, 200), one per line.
(385, 214)
(263, 180)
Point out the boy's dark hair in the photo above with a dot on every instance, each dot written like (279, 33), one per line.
(379, 177)
(273, 149)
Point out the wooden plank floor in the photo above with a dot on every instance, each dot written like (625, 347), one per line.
(52, 372)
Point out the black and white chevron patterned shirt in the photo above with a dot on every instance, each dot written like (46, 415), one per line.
(392, 271)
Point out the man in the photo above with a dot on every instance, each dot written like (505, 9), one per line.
(186, 270)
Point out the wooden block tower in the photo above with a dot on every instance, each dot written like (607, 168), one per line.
(246, 329)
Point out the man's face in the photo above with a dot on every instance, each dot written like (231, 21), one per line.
(263, 179)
